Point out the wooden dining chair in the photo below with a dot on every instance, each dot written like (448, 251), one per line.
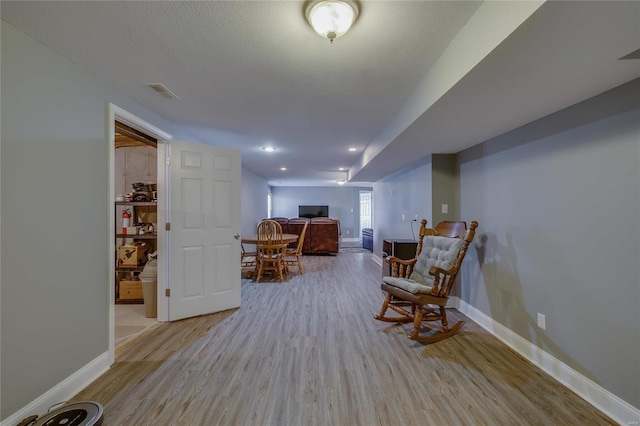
(293, 256)
(248, 258)
(270, 249)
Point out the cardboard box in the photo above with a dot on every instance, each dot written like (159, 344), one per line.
(132, 256)
(129, 289)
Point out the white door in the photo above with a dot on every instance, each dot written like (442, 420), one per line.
(204, 249)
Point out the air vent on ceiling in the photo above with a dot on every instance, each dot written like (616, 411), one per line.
(162, 89)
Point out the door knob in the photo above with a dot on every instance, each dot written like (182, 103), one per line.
(236, 236)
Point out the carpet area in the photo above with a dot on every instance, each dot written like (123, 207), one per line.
(352, 247)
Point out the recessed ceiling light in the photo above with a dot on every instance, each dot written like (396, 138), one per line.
(352, 149)
(341, 168)
(269, 148)
(283, 168)
(341, 181)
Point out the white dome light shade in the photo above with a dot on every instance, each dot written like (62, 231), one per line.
(331, 18)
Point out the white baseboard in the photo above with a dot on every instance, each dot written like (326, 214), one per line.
(63, 391)
(376, 259)
(614, 407)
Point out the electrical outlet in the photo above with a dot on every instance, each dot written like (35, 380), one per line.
(347, 232)
(542, 321)
(403, 217)
(415, 217)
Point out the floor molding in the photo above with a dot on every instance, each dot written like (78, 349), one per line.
(63, 391)
(616, 408)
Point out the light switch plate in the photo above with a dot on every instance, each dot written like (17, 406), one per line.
(541, 321)
(445, 208)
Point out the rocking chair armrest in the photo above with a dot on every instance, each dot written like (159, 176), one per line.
(409, 262)
(443, 280)
(401, 267)
(434, 270)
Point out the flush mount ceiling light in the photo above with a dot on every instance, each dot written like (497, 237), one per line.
(331, 18)
(269, 148)
(341, 181)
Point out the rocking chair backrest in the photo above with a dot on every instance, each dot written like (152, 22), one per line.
(441, 252)
(444, 252)
(448, 228)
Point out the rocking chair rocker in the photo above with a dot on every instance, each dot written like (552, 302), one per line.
(424, 283)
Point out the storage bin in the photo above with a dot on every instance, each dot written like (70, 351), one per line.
(149, 278)
(130, 289)
(132, 256)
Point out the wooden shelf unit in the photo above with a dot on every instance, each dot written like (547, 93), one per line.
(128, 272)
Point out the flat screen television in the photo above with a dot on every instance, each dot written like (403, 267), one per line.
(313, 211)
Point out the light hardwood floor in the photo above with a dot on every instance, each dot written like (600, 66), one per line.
(307, 351)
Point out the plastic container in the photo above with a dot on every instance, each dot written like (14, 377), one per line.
(149, 278)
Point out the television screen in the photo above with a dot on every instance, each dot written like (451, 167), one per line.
(313, 211)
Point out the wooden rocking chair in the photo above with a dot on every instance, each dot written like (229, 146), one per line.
(424, 283)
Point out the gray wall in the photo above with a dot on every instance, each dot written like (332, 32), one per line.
(418, 191)
(407, 193)
(343, 202)
(54, 173)
(558, 203)
(444, 185)
(254, 201)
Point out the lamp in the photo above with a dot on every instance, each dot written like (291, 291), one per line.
(331, 18)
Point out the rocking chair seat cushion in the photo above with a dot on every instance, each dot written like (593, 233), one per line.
(409, 285)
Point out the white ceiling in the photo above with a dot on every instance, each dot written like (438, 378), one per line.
(411, 78)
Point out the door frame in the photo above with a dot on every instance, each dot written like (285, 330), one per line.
(114, 113)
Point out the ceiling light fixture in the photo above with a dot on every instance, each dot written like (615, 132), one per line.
(269, 148)
(341, 181)
(331, 18)
(352, 149)
(283, 168)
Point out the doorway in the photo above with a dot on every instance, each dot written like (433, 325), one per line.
(198, 200)
(136, 229)
(141, 130)
(366, 210)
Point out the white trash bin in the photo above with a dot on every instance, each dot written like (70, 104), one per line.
(149, 278)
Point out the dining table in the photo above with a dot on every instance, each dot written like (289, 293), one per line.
(253, 239)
